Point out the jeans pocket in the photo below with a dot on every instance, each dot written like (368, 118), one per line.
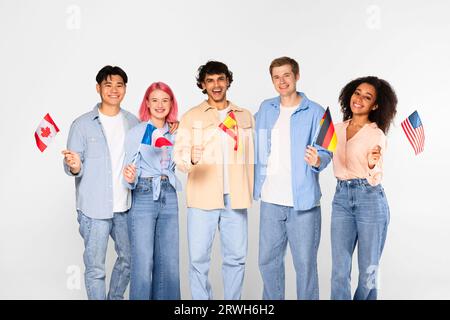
(85, 225)
(143, 188)
(370, 189)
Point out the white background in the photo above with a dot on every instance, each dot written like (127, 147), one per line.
(51, 51)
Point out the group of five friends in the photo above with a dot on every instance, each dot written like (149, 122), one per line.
(128, 190)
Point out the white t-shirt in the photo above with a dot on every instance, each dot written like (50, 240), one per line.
(277, 187)
(114, 129)
(225, 140)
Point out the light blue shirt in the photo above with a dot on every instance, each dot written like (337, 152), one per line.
(150, 161)
(304, 124)
(93, 184)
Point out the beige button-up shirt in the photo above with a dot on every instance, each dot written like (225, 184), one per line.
(204, 190)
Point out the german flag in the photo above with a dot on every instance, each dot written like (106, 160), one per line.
(327, 137)
(229, 125)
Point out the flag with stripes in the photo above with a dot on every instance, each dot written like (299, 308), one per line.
(326, 137)
(45, 132)
(413, 128)
(229, 125)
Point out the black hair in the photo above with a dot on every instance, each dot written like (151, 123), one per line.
(108, 71)
(386, 99)
(213, 67)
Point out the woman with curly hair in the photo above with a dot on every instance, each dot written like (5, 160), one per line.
(360, 212)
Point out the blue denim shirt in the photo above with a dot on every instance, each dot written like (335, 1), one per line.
(304, 124)
(149, 161)
(94, 194)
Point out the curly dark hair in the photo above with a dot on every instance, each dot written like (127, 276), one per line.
(386, 100)
(213, 67)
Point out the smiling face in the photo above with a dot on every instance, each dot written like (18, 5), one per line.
(284, 80)
(216, 86)
(112, 90)
(159, 104)
(363, 99)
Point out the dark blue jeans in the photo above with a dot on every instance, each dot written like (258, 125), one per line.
(153, 228)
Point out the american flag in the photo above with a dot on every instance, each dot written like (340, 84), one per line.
(413, 128)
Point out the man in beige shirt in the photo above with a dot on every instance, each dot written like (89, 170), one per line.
(214, 145)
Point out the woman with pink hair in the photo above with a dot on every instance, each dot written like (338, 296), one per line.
(153, 218)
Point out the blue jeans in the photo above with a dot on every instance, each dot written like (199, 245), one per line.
(278, 226)
(202, 225)
(360, 214)
(95, 233)
(153, 227)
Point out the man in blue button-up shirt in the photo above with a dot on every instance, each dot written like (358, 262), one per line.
(94, 156)
(287, 182)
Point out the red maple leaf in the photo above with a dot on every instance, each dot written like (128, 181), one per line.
(45, 132)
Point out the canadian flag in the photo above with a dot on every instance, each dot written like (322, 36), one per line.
(45, 132)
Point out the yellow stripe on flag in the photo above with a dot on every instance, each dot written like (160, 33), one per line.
(229, 122)
(333, 142)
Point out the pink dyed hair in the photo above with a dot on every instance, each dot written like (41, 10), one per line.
(144, 112)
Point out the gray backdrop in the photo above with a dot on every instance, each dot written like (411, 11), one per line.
(51, 51)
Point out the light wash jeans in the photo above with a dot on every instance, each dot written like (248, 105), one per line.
(278, 226)
(95, 233)
(360, 215)
(202, 225)
(153, 227)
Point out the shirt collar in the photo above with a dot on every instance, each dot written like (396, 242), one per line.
(205, 106)
(372, 125)
(95, 113)
(304, 104)
(164, 130)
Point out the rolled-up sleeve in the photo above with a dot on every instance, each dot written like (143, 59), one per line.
(132, 142)
(182, 147)
(325, 158)
(375, 174)
(75, 143)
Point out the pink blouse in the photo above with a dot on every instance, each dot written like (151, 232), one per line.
(350, 157)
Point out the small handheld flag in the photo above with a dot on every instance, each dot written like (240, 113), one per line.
(45, 132)
(154, 137)
(229, 125)
(413, 128)
(326, 137)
